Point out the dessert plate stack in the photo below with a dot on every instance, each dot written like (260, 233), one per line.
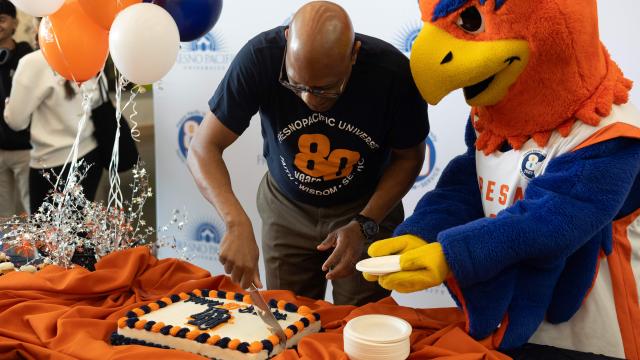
(377, 337)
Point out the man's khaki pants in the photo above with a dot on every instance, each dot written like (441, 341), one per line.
(14, 182)
(291, 231)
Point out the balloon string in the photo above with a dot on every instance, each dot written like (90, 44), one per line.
(115, 198)
(135, 133)
(72, 158)
(72, 177)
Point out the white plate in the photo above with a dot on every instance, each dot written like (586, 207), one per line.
(380, 265)
(381, 329)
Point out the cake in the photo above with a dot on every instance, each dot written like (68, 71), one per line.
(214, 324)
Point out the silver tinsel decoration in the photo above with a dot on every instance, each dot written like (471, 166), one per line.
(68, 224)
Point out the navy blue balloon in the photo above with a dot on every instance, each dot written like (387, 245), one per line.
(195, 18)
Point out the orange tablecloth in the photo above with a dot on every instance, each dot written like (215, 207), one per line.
(70, 314)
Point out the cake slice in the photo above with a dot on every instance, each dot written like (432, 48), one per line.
(215, 324)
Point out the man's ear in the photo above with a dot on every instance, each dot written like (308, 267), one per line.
(356, 50)
(286, 34)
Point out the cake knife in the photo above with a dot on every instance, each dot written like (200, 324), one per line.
(263, 310)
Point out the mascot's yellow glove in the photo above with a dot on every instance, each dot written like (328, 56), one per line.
(423, 266)
(393, 246)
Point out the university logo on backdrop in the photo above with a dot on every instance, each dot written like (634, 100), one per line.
(206, 53)
(202, 240)
(407, 36)
(187, 128)
(430, 171)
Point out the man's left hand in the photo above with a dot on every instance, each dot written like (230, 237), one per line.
(348, 242)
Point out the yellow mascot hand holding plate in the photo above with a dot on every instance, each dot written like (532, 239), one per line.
(423, 265)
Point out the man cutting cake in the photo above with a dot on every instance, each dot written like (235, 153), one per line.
(344, 129)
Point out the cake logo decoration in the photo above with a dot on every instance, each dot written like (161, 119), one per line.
(210, 318)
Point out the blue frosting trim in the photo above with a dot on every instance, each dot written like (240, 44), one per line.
(149, 325)
(202, 338)
(290, 307)
(117, 339)
(243, 347)
(165, 330)
(182, 333)
(131, 322)
(267, 345)
(304, 321)
(224, 342)
(293, 328)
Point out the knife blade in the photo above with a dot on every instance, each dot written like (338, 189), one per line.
(264, 311)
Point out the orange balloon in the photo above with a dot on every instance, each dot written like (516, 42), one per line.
(74, 45)
(104, 11)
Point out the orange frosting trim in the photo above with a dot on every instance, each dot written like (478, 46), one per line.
(191, 335)
(140, 324)
(289, 333)
(157, 326)
(174, 330)
(166, 300)
(274, 340)
(256, 347)
(303, 310)
(122, 322)
(138, 311)
(233, 344)
(213, 339)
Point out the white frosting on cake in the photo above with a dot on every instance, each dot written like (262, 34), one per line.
(245, 327)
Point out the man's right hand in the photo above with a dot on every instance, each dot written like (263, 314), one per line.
(239, 254)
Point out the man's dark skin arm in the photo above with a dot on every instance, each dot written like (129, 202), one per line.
(396, 181)
(239, 251)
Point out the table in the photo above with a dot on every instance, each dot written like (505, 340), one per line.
(70, 313)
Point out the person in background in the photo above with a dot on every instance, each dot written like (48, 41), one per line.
(52, 106)
(14, 145)
(344, 129)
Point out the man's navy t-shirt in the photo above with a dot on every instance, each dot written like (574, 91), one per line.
(333, 157)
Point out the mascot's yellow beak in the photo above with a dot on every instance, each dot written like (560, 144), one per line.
(442, 63)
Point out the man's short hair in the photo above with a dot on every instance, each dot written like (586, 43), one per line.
(7, 8)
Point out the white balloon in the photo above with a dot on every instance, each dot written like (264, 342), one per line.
(144, 42)
(38, 8)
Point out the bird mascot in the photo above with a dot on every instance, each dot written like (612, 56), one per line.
(535, 229)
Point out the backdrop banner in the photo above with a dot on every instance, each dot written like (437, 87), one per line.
(180, 102)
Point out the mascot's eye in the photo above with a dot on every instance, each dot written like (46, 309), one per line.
(471, 21)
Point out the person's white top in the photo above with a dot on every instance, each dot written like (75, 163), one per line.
(38, 98)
